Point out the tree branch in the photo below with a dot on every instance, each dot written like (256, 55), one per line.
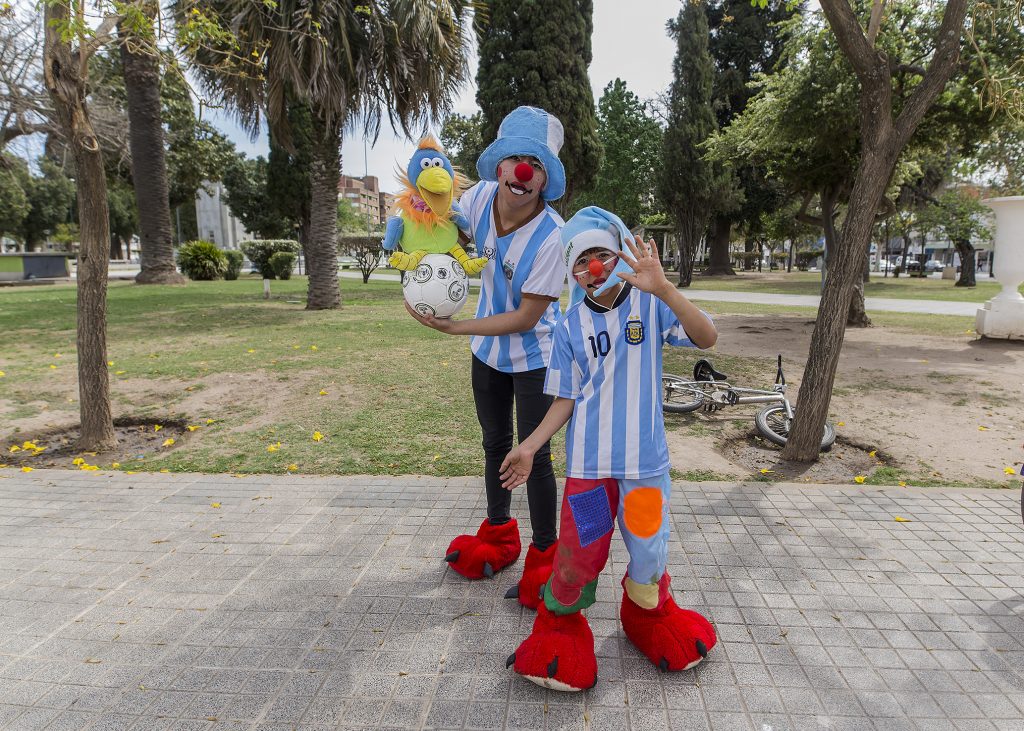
(944, 60)
(876, 20)
(16, 130)
(867, 61)
(804, 217)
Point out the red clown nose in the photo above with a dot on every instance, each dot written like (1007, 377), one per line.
(524, 172)
(596, 268)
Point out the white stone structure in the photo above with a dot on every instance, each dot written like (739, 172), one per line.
(215, 222)
(1002, 316)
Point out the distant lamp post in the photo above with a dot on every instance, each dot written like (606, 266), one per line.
(1002, 317)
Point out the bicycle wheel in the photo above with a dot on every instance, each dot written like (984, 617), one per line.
(679, 396)
(773, 425)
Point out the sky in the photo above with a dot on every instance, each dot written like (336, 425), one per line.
(629, 42)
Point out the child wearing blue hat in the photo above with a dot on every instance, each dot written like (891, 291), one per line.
(517, 231)
(605, 377)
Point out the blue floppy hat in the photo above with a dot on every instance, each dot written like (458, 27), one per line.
(593, 228)
(528, 131)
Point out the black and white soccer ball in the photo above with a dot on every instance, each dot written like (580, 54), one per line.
(438, 286)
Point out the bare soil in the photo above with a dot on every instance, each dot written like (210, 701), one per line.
(939, 408)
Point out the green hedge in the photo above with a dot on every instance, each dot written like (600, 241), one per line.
(260, 251)
(282, 263)
(235, 260)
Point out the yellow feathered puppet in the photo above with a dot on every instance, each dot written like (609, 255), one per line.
(429, 217)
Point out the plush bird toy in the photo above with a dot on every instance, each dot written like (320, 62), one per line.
(429, 217)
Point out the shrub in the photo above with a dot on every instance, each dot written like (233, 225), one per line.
(282, 263)
(202, 261)
(235, 259)
(260, 251)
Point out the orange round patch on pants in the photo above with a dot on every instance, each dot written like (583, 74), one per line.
(642, 511)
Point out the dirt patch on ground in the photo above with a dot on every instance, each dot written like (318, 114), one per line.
(136, 439)
(941, 408)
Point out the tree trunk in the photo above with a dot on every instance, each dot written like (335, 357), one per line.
(720, 262)
(685, 262)
(67, 89)
(149, 166)
(748, 248)
(322, 261)
(857, 316)
(968, 263)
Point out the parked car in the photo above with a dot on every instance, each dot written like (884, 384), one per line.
(885, 266)
(933, 265)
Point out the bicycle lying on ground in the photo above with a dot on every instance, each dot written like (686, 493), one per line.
(711, 391)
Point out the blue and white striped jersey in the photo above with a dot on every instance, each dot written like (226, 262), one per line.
(528, 260)
(610, 363)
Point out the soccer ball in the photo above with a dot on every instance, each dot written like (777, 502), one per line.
(438, 286)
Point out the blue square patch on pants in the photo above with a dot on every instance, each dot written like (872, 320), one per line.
(591, 514)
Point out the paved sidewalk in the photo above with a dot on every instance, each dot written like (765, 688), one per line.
(134, 601)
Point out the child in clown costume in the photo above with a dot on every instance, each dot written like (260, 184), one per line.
(605, 375)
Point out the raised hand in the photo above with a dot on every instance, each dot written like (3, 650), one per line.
(647, 276)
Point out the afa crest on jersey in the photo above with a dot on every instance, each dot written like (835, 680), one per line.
(634, 331)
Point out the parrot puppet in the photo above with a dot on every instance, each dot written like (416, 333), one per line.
(429, 217)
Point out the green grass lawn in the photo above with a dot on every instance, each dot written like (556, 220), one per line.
(397, 395)
(896, 288)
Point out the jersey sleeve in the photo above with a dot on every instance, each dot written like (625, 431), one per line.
(671, 329)
(563, 376)
(547, 275)
(469, 202)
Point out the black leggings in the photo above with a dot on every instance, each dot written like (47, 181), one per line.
(494, 392)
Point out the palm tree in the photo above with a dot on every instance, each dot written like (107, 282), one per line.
(349, 61)
(140, 61)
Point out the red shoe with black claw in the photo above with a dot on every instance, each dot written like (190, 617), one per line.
(492, 548)
(559, 653)
(536, 572)
(672, 638)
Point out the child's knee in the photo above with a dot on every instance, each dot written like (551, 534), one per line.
(644, 512)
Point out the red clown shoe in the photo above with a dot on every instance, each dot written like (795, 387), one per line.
(670, 637)
(536, 572)
(559, 653)
(492, 548)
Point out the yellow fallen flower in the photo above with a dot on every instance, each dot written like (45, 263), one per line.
(317, 436)
(251, 350)
(274, 447)
(77, 461)
(2, 374)
(314, 348)
(157, 427)
(88, 467)
(14, 448)
(168, 442)
(53, 366)
(872, 453)
(29, 445)
(840, 423)
(765, 471)
(859, 479)
(26, 469)
(119, 373)
(901, 483)
(115, 465)
(1009, 470)
(214, 505)
(901, 519)
(165, 470)
(323, 392)
(209, 421)
(110, 363)
(982, 428)
(292, 467)
(191, 427)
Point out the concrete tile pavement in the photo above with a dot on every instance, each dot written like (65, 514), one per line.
(130, 601)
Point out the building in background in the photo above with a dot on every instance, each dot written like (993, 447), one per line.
(364, 194)
(387, 202)
(214, 220)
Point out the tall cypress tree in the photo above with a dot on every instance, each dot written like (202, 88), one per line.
(745, 40)
(537, 52)
(690, 187)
